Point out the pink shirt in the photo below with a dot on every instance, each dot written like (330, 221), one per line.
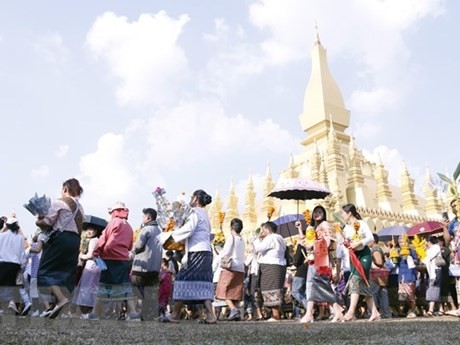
(116, 240)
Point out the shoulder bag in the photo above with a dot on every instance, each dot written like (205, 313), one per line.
(439, 261)
(227, 261)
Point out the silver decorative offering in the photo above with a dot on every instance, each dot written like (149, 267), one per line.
(38, 206)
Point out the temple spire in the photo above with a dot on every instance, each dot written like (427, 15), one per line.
(322, 98)
(432, 205)
(409, 201)
(383, 193)
(232, 205)
(317, 40)
(250, 215)
(214, 210)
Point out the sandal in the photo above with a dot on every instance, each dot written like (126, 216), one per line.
(429, 313)
(207, 322)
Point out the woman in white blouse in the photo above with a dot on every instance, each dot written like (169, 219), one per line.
(193, 283)
(357, 238)
(230, 285)
(272, 267)
(433, 293)
(11, 257)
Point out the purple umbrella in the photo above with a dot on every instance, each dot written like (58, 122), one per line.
(286, 224)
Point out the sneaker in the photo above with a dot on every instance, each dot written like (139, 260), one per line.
(411, 315)
(133, 317)
(234, 315)
(57, 309)
(13, 308)
(26, 309)
(36, 313)
(89, 316)
(46, 312)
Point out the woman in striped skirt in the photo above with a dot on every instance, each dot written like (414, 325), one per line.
(271, 249)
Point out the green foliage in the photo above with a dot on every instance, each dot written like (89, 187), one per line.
(452, 183)
(457, 172)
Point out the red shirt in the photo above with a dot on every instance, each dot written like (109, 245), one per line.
(116, 240)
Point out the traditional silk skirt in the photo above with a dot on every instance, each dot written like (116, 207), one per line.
(58, 263)
(320, 288)
(433, 293)
(115, 284)
(85, 293)
(356, 284)
(272, 283)
(193, 284)
(230, 285)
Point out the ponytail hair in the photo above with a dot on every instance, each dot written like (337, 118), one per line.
(203, 197)
(73, 187)
(352, 208)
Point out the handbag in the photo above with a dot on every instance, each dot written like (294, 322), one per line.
(439, 261)
(454, 270)
(227, 261)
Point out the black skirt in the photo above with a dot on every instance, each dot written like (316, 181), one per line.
(58, 264)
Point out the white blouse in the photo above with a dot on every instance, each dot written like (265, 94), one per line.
(271, 250)
(237, 254)
(196, 230)
(364, 232)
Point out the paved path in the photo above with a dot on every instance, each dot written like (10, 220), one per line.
(433, 331)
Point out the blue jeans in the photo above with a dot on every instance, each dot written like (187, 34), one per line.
(381, 300)
(298, 291)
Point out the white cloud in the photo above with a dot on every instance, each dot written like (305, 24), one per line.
(41, 172)
(144, 55)
(372, 33)
(106, 174)
(62, 151)
(130, 165)
(173, 132)
(51, 48)
(393, 160)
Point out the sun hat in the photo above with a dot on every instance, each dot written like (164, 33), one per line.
(11, 220)
(117, 206)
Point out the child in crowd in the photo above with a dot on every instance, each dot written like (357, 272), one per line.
(164, 292)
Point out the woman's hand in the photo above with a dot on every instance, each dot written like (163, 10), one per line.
(355, 244)
(298, 225)
(262, 234)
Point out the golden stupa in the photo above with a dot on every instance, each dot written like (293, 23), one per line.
(331, 158)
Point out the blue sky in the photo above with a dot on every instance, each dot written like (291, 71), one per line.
(127, 96)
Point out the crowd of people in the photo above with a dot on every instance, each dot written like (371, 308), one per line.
(75, 268)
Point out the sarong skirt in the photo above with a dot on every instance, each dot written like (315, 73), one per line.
(193, 284)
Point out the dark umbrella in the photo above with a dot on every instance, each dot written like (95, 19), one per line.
(286, 224)
(425, 228)
(387, 234)
(299, 189)
(97, 223)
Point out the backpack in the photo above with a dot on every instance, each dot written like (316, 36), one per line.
(289, 255)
